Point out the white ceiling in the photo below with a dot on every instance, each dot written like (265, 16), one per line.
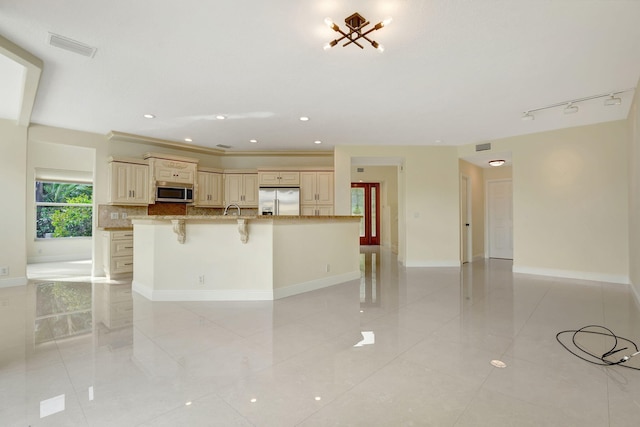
(453, 72)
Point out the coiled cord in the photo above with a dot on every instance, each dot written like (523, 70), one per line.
(600, 360)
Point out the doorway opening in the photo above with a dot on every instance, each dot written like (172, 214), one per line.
(365, 202)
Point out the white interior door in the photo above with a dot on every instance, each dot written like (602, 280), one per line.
(500, 218)
(465, 219)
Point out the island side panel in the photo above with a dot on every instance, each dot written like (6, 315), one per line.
(212, 263)
(312, 254)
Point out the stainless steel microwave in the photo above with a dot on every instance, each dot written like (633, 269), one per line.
(174, 192)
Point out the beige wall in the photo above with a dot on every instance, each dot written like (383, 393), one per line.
(428, 201)
(634, 193)
(387, 177)
(570, 201)
(13, 162)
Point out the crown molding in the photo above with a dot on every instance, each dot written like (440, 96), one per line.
(116, 136)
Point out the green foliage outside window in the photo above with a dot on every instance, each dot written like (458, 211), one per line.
(63, 209)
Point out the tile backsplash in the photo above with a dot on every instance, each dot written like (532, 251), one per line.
(110, 216)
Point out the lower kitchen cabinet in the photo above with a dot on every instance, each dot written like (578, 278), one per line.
(118, 253)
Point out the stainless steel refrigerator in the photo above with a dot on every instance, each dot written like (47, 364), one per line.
(279, 201)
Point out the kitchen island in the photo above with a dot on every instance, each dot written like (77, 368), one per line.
(223, 258)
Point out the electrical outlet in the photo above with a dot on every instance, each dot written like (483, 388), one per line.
(201, 279)
(327, 268)
(114, 215)
(4, 271)
(123, 215)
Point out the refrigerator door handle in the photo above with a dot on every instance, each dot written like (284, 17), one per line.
(277, 206)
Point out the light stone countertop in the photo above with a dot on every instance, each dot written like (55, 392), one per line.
(237, 217)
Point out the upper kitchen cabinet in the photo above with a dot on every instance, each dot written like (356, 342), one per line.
(168, 168)
(209, 191)
(316, 187)
(128, 182)
(241, 189)
(269, 178)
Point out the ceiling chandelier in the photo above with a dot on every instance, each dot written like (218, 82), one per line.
(356, 24)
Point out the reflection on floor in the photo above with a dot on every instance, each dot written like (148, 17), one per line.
(399, 347)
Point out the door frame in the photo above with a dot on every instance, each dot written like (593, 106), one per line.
(369, 239)
(466, 236)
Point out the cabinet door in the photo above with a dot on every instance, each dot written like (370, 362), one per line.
(289, 179)
(269, 178)
(250, 190)
(308, 210)
(204, 192)
(325, 210)
(324, 188)
(215, 189)
(307, 188)
(119, 189)
(139, 184)
(233, 189)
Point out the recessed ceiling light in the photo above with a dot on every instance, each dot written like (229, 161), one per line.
(149, 116)
(304, 119)
(220, 117)
(317, 142)
(253, 141)
(188, 140)
(496, 163)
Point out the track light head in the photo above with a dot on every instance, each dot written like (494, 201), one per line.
(612, 101)
(570, 108)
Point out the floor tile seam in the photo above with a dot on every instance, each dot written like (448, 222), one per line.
(75, 391)
(524, 324)
(161, 348)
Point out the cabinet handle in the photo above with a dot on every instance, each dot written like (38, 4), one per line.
(128, 247)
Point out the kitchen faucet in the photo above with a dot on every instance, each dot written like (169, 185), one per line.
(231, 205)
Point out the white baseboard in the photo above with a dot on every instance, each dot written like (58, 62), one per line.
(571, 274)
(14, 281)
(636, 293)
(201, 294)
(240, 295)
(313, 285)
(57, 258)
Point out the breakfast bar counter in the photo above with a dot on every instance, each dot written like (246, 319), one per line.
(246, 257)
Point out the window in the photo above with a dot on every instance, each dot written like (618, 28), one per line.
(63, 209)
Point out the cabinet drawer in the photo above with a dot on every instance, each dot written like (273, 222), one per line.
(122, 235)
(122, 265)
(121, 248)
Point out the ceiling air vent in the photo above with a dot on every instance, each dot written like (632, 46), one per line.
(223, 146)
(74, 46)
(483, 147)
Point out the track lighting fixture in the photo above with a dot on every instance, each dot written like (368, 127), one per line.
(570, 107)
(356, 24)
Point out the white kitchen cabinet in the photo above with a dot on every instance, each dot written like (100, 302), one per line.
(118, 253)
(128, 183)
(279, 178)
(174, 171)
(316, 193)
(241, 189)
(209, 189)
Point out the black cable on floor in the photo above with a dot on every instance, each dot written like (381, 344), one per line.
(602, 359)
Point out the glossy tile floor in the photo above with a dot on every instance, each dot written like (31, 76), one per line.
(400, 347)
